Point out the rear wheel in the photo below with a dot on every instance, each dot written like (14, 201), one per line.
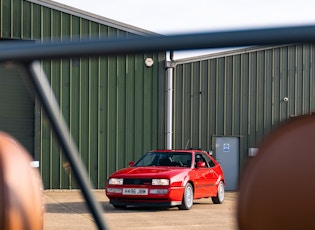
(220, 195)
(188, 198)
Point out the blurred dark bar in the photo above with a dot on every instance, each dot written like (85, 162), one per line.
(20, 51)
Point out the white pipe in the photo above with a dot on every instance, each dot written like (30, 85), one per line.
(169, 107)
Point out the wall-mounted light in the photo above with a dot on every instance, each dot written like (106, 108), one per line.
(252, 152)
(285, 99)
(149, 62)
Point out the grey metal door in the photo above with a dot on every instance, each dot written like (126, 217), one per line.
(227, 154)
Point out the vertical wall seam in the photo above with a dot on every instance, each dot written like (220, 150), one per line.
(207, 75)
(241, 94)
(249, 95)
(284, 69)
(21, 20)
(296, 68)
(217, 94)
(273, 78)
(183, 105)
(89, 120)
(61, 115)
(107, 120)
(11, 18)
(117, 112)
(233, 95)
(50, 136)
(200, 105)
(311, 75)
(224, 97)
(80, 98)
(32, 21)
(98, 114)
(191, 101)
(1, 18)
(266, 86)
(70, 92)
(60, 104)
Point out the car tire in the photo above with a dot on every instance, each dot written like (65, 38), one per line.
(188, 198)
(219, 198)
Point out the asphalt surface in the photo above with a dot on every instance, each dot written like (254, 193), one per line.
(66, 209)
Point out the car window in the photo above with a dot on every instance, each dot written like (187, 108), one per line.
(147, 159)
(200, 158)
(209, 162)
(181, 159)
(204, 158)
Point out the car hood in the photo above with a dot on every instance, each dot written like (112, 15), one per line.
(149, 171)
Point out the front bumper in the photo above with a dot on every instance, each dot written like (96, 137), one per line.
(173, 197)
(144, 203)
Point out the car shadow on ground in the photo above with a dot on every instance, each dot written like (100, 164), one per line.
(82, 208)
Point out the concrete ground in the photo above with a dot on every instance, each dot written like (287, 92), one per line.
(66, 209)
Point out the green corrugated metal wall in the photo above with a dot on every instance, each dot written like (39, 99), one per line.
(17, 113)
(241, 94)
(111, 104)
(114, 105)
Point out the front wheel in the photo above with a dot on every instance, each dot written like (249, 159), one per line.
(188, 198)
(220, 195)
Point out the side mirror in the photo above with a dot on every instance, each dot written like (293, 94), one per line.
(201, 164)
(131, 163)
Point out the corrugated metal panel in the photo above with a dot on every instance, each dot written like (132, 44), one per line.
(92, 17)
(241, 94)
(111, 104)
(17, 106)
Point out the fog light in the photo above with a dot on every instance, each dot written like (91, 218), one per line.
(114, 190)
(158, 191)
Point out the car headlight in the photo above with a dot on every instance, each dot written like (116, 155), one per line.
(116, 181)
(160, 181)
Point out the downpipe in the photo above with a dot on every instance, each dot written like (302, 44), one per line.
(170, 64)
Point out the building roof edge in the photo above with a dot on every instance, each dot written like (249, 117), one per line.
(93, 17)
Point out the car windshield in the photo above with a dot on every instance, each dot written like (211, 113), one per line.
(180, 159)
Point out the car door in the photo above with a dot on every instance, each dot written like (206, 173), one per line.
(206, 177)
(203, 177)
(214, 177)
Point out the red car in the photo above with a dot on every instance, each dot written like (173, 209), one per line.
(167, 178)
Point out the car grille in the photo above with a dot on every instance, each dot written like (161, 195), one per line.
(137, 181)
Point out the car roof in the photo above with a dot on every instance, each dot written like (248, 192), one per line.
(178, 150)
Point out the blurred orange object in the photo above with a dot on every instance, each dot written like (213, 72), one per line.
(277, 188)
(21, 195)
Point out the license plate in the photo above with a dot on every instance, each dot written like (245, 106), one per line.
(135, 191)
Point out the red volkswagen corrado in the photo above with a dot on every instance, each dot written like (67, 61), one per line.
(167, 178)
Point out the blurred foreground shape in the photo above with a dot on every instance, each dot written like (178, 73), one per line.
(277, 186)
(21, 195)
